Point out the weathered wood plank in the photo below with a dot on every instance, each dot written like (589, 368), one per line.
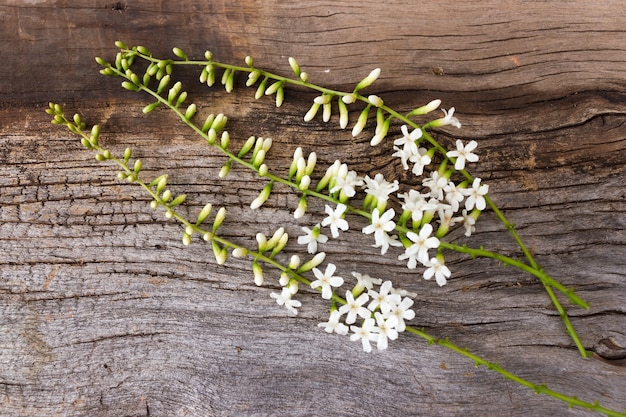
(103, 311)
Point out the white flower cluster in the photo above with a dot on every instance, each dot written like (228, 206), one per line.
(382, 311)
(438, 201)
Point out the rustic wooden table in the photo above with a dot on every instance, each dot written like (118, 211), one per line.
(103, 311)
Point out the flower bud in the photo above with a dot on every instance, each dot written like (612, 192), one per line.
(280, 96)
(302, 205)
(240, 252)
(225, 170)
(313, 263)
(219, 253)
(204, 213)
(260, 90)
(261, 241)
(360, 124)
(253, 77)
(273, 88)
(375, 100)
(163, 83)
(150, 107)
(208, 123)
(312, 112)
(219, 218)
(263, 170)
(249, 61)
(247, 146)
(295, 67)
(284, 279)
(186, 239)
(294, 262)
(433, 105)
(304, 183)
(343, 114)
(367, 81)
(258, 274)
(278, 234)
(179, 53)
(180, 199)
(262, 198)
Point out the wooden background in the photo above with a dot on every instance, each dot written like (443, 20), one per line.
(103, 312)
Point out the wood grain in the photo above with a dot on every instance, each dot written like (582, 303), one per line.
(104, 312)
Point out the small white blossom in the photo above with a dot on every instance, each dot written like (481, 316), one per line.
(417, 204)
(326, 280)
(364, 281)
(418, 251)
(365, 333)
(420, 160)
(453, 195)
(436, 182)
(380, 188)
(284, 298)
(355, 307)
(439, 270)
(402, 312)
(334, 325)
(346, 184)
(386, 329)
(468, 222)
(312, 238)
(404, 154)
(475, 195)
(380, 226)
(463, 153)
(407, 141)
(448, 119)
(335, 219)
(384, 298)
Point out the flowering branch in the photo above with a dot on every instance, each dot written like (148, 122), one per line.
(383, 312)
(340, 185)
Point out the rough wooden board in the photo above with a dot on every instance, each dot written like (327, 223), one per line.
(105, 313)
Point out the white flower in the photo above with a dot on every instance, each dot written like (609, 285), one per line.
(346, 183)
(365, 333)
(436, 183)
(402, 312)
(475, 195)
(420, 160)
(364, 281)
(386, 330)
(416, 203)
(355, 307)
(326, 280)
(384, 298)
(312, 238)
(284, 298)
(468, 222)
(380, 226)
(379, 187)
(407, 141)
(335, 219)
(418, 251)
(439, 270)
(448, 119)
(404, 154)
(334, 325)
(453, 195)
(463, 153)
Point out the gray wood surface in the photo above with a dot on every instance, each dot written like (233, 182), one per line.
(103, 311)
